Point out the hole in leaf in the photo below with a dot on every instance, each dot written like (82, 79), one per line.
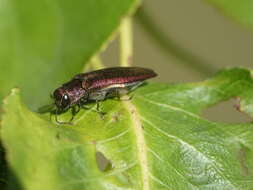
(226, 112)
(103, 163)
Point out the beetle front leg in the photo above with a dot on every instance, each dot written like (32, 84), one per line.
(62, 122)
(74, 112)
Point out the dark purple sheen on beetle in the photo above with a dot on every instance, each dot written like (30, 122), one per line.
(99, 85)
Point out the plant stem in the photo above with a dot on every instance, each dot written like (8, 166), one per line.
(171, 47)
(94, 64)
(126, 42)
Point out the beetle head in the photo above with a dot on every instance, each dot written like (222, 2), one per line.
(62, 100)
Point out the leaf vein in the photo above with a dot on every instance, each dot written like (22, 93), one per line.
(174, 108)
(186, 144)
(113, 138)
(174, 168)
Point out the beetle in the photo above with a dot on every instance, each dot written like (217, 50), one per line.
(97, 86)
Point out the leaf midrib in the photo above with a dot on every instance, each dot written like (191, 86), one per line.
(140, 143)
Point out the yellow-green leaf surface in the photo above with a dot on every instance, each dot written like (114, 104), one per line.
(157, 140)
(239, 10)
(46, 42)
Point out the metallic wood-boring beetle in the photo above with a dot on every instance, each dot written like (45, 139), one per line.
(97, 86)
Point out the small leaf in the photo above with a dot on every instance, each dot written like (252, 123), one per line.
(157, 140)
(44, 43)
(239, 10)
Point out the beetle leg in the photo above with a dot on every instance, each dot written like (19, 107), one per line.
(60, 122)
(90, 108)
(97, 104)
(74, 112)
(82, 101)
(117, 94)
(98, 95)
(82, 105)
(98, 110)
(56, 118)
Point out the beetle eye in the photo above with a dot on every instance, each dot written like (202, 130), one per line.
(65, 97)
(65, 101)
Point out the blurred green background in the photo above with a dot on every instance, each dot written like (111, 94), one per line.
(46, 43)
(203, 31)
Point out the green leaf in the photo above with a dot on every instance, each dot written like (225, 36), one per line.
(157, 140)
(239, 10)
(44, 43)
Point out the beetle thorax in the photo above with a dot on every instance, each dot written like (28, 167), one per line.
(69, 94)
